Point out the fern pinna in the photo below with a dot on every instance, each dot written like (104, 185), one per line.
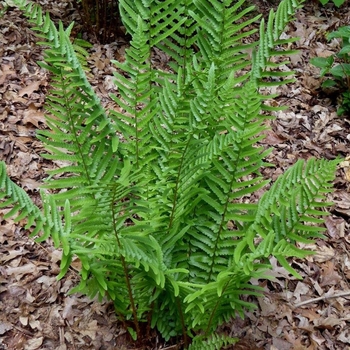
(153, 196)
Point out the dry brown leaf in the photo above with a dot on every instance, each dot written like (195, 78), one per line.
(6, 230)
(29, 89)
(13, 96)
(344, 336)
(67, 312)
(30, 184)
(34, 324)
(328, 322)
(34, 343)
(301, 289)
(4, 327)
(335, 226)
(91, 329)
(21, 270)
(272, 138)
(33, 116)
(308, 313)
(267, 307)
(23, 320)
(6, 71)
(330, 276)
(323, 52)
(280, 344)
(323, 253)
(297, 343)
(13, 254)
(317, 339)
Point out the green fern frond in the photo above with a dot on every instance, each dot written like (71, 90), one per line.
(22, 207)
(288, 208)
(218, 40)
(211, 243)
(215, 342)
(264, 57)
(137, 98)
(81, 135)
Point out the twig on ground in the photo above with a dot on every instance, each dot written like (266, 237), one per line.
(324, 297)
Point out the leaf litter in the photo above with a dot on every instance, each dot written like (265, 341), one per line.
(35, 310)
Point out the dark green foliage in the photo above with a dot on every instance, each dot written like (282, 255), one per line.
(336, 69)
(337, 3)
(154, 199)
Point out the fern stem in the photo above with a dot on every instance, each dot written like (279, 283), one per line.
(213, 311)
(136, 133)
(73, 128)
(182, 320)
(233, 177)
(185, 59)
(149, 316)
(126, 271)
(176, 191)
(131, 298)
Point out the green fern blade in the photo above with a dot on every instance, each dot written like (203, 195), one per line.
(215, 342)
(216, 190)
(307, 228)
(284, 263)
(173, 51)
(175, 26)
(307, 236)
(22, 206)
(296, 226)
(312, 211)
(15, 209)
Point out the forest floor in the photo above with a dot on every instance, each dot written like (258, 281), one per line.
(35, 310)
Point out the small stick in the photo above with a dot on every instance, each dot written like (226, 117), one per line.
(324, 297)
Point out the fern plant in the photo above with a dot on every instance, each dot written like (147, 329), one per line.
(154, 195)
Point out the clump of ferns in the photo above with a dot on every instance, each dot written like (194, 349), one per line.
(152, 199)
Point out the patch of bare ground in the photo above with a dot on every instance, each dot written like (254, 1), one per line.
(35, 310)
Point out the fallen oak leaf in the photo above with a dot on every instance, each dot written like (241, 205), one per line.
(327, 323)
(5, 72)
(309, 313)
(322, 253)
(34, 343)
(13, 254)
(30, 184)
(335, 226)
(272, 138)
(21, 270)
(330, 276)
(28, 90)
(33, 116)
(301, 289)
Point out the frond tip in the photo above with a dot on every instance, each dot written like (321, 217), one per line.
(214, 342)
(287, 211)
(19, 203)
